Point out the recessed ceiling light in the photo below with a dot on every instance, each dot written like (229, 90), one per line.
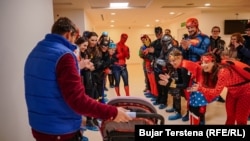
(147, 25)
(207, 4)
(119, 5)
(112, 13)
(111, 25)
(171, 13)
(157, 20)
(112, 21)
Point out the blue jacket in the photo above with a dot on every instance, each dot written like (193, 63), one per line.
(48, 112)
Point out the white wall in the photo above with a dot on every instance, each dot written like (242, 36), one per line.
(23, 24)
(87, 23)
(77, 16)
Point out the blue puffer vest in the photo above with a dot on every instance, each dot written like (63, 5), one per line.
(47, 110)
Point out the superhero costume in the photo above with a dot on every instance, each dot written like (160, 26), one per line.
(238, 95)
(148, 67)
(199, 45)
(180, 77)
(120, 67)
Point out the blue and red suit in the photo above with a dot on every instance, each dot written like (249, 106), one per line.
(199, 45)
(120, 67)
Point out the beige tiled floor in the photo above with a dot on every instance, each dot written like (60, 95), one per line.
(215, 111)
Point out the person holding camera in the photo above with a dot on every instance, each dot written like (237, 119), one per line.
(166, 67)
(196, 43)
(216, 43)
(177, 81)
(193, 47)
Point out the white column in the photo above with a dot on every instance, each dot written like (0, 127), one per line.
(23, 24)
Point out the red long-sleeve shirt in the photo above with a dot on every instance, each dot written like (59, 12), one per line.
(73, 92)
(226, 78)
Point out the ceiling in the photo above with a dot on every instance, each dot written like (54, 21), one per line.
(146, 12)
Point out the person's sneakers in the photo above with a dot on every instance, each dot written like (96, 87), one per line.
(162, 106)
(112, 86)
(106, 89)
(83, 128)
(92, 128)
(97, 122)
(175, 116)
(156, 103)
(84, 138)
(90, 125)
(171, 110)
(149, 95)
(105, 100)
(186, 117)
(153, 99)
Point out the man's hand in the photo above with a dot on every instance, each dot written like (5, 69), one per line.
(122, 115)
(185, 44)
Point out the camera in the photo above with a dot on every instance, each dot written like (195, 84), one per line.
(161, 62)
(185, 36)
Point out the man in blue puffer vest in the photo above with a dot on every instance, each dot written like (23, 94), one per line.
(54, 93)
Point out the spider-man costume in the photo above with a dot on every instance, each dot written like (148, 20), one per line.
(120, 66)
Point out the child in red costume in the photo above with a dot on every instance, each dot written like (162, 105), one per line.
(120, 66)
(220, 76)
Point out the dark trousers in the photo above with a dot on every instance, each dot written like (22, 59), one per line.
(162, 91)
(111, 79)
(177, 102)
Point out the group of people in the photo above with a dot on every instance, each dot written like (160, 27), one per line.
(192, 69)
(171, 67)
(67, 70)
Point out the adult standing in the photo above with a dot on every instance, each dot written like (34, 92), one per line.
(217, 45)
(244, 51)
(193, 47)
(174, 41)
(147, 67)
(120, 67)
(245, 58)
(155, 50)
(54, 93)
